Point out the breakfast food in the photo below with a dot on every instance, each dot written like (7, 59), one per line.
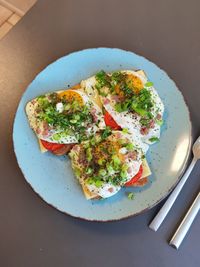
(63, 118)
(106, 125)
(130, 101)
(105, 164)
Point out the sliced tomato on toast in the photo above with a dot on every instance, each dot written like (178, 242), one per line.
(109, 121)
(136, 177)
(51, 146)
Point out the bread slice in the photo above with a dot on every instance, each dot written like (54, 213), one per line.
(89, 195)
(142, 73)
(146, 170)
(42, 148)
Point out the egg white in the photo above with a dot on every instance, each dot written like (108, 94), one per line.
(105, 191)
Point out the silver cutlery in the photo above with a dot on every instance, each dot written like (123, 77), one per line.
(186, 223)
(159, 218)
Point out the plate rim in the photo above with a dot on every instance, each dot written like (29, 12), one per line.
(150, 206)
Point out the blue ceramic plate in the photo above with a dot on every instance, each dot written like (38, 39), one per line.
(52, 177)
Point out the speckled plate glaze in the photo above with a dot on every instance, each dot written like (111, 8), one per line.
(52, 177)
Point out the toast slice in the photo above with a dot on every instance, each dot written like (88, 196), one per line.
(89, 195)
(42, 148)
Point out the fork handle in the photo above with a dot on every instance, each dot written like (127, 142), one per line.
(159, 218)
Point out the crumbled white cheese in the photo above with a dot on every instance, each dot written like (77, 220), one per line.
(123, 150)
(59, 107)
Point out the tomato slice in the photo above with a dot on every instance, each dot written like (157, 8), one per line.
(109, 121)
(51, 146)
(136, 177)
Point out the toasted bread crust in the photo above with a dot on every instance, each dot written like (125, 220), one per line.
(141, 182)
(65, 149)
(89, 195)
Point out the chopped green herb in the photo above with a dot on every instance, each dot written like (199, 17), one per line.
(140, 111)
(89, 154)
(123, 174)
(110, 169)
(145, 122)
(125, 130)
(101, 161)
(118, 180)
(86, 145)
(73, 121)
(102, 172)
(124, 167)
(148, 84)
(130, 196)
(77, 117)
(154, 139)
(122, 142)
(124, 106)
(117, 76)
(67, 107)
(127, 91)
(106, 133)
(116, 160)
(103, 79)
(90, 181)
(99, 183)
(93, 141)
(140, 103)
(129, 146)
(56, 136)
(89, 170)
(97, 139)
(119, 107)
(159, 122)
